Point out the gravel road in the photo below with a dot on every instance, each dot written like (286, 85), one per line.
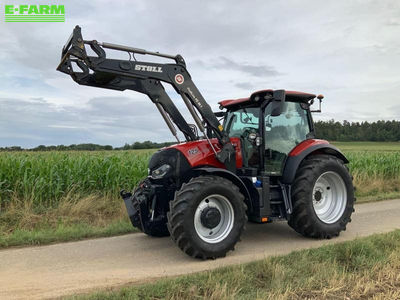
(77, 267)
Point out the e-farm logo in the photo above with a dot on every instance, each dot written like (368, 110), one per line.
(34, 13)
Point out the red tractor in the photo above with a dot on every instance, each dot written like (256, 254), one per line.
(263, 164)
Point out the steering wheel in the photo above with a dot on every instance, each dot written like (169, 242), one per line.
(246, 133)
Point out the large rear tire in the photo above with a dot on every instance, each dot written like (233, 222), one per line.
(323, 197)
(207, 217)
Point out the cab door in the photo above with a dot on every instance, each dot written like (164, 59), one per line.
(282, 133)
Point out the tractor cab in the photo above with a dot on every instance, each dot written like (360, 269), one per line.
(269, 128)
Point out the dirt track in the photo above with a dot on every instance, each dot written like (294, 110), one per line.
(76, 267)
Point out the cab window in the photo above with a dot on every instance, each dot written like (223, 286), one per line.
(238, 121)
(242, 124)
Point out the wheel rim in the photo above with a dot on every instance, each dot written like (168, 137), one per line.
(225, 225)
(329, 197)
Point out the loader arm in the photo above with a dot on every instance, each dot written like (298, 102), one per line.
(153, 89)
(145, 77)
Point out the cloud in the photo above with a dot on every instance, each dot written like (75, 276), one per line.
(392, 22)
(245, 85)
(346, 51)
(30, 123)
(251, 69)
(224, 63)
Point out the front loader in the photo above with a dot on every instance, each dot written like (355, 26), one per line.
(262, 164)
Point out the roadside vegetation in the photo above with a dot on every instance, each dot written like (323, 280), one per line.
(375, 168)
(367, 268)
(59, 196)
(74, 217)
(54, 196)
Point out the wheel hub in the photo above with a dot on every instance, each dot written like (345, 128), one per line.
(318, 196)
(214, 218)
(210, 217)
(329, 197)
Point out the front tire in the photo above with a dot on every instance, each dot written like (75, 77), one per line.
(207, 217)
(323, 197)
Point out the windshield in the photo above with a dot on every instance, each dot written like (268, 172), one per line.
(236, 122)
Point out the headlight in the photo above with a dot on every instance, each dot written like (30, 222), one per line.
(160, 172)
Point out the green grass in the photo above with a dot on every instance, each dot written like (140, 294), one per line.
(76, 217)
(63, 232)
(357, 269)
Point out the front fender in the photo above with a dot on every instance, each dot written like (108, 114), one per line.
(230, 176)
(302, 151)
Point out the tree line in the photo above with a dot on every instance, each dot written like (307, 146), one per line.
(91, 147)
(379, 131)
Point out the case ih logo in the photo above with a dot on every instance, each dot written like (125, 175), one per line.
(179, 78)
(193, 151)
(148, 68)
(34, 13)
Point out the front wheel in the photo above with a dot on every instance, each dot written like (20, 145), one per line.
(323, 197)
(207, 217)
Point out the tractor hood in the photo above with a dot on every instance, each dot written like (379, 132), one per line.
(185, 156)
(199, 153)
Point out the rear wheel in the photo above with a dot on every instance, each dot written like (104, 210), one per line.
(323, 197)
(207, 217)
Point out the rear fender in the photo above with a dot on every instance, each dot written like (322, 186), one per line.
(230, 176)
(301, 152)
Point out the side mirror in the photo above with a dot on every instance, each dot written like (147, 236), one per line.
(278, 103)
(219, 114)
(319, 97)
(276, 109)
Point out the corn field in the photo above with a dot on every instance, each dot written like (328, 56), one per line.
(374, 165)
(45, 177)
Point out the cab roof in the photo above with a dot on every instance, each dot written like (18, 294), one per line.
(290, 95)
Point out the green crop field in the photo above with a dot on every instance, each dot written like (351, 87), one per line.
(75, 194)
(368, 146)
(46, 177)
(375, 167)
(60, 196)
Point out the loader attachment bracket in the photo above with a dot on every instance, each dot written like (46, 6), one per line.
(74, 46)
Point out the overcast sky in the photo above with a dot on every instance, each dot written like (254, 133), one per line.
(349, 51)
